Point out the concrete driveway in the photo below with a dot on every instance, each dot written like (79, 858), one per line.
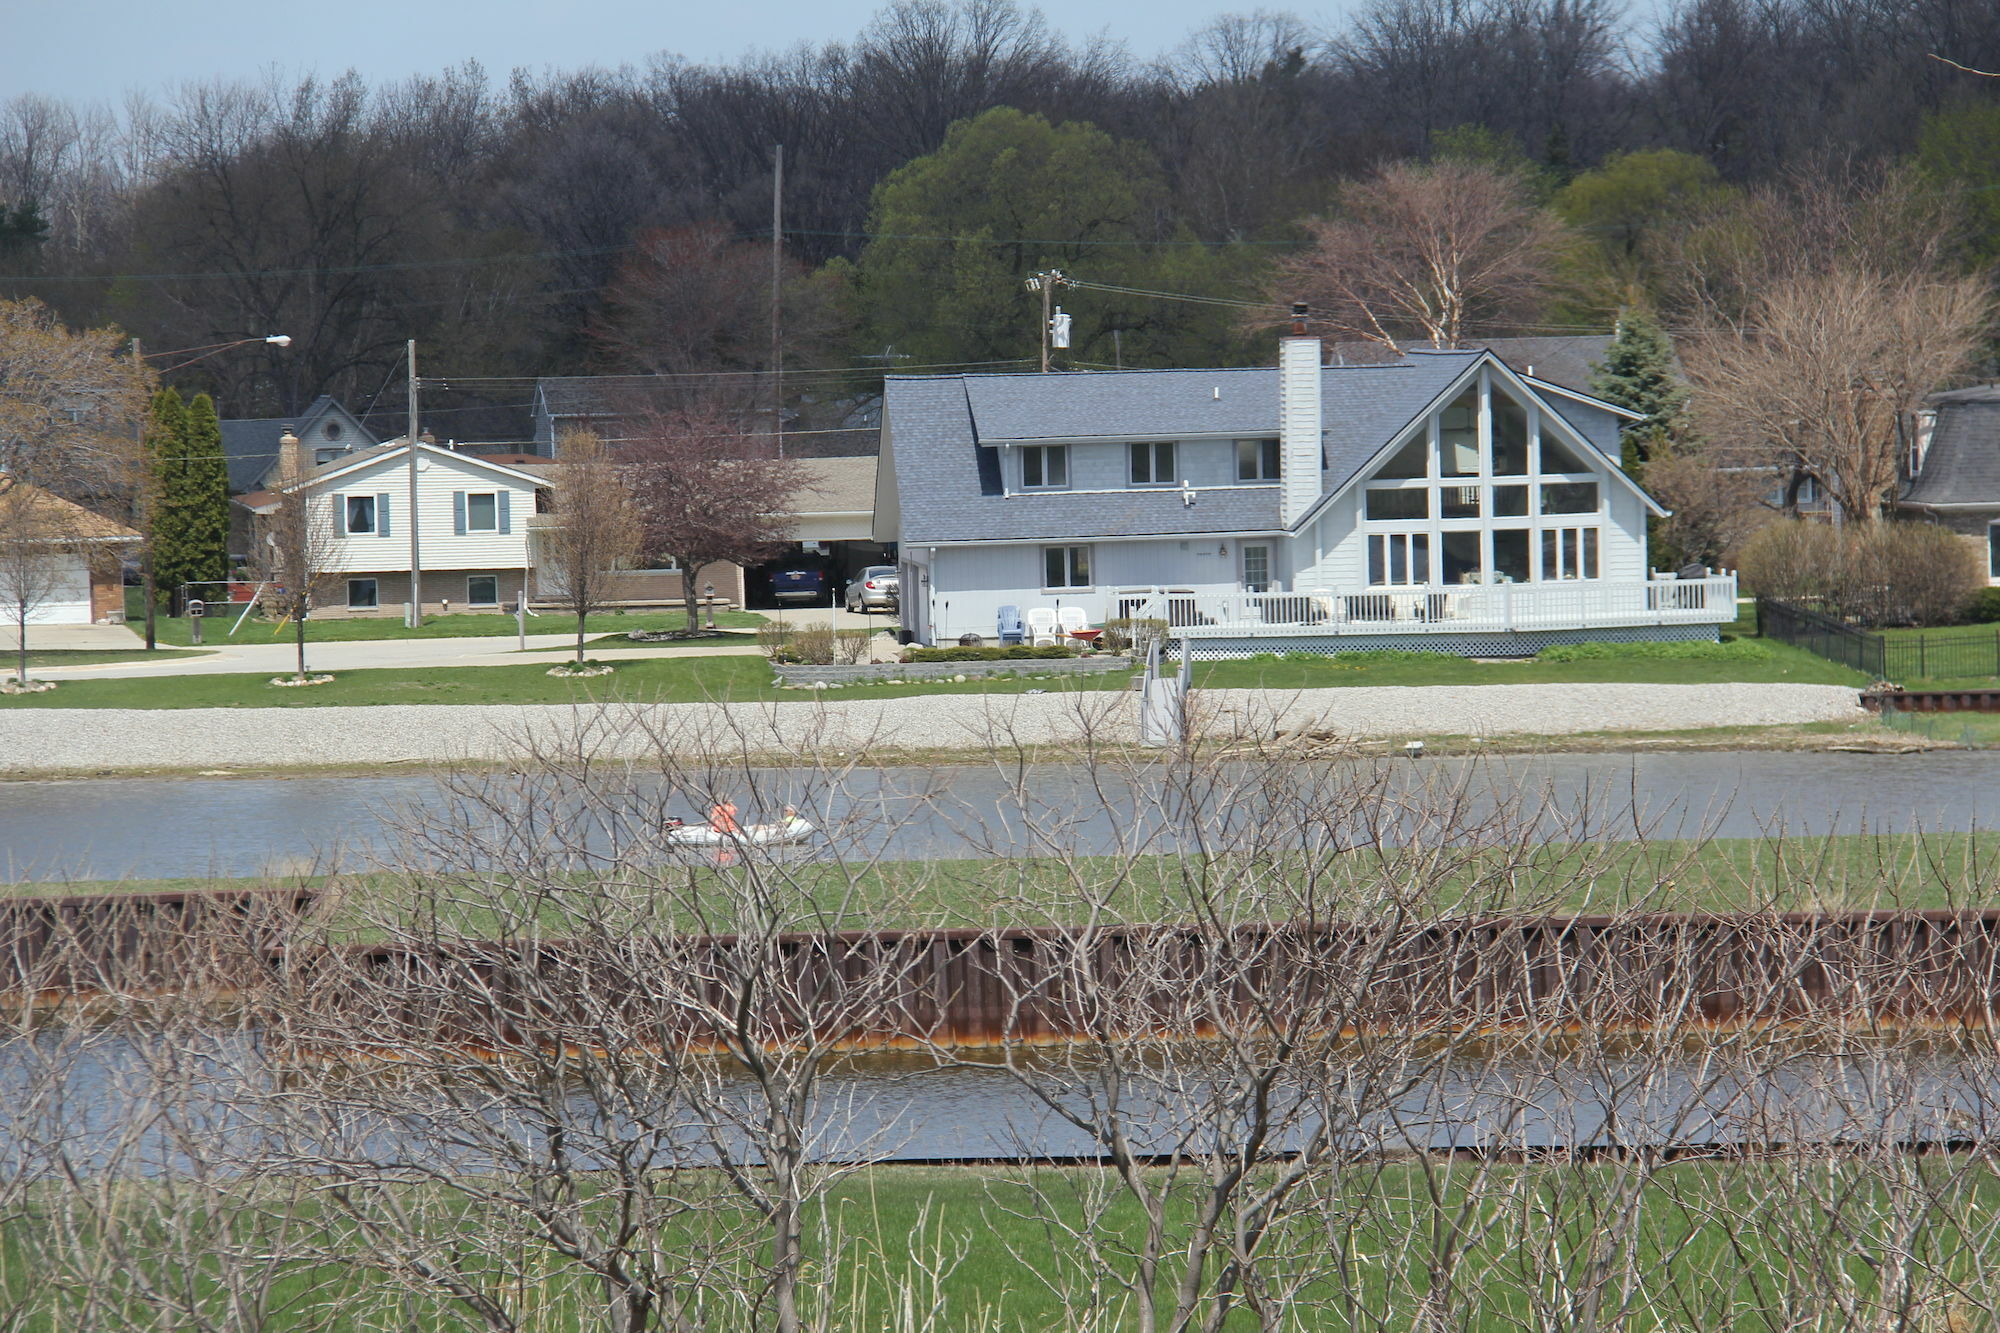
(94, 638)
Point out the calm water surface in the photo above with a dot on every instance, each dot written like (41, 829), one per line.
(168, 828)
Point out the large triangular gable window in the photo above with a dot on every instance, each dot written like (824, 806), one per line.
(1484, 492)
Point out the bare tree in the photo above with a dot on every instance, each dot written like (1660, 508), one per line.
(1826, 370)
(41, 551)
(706, 490)
(67, 404)
(297, 547)
(595, 527)
(1430, 252)
(694, 299)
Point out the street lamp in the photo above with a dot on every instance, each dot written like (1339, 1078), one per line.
(145, 517)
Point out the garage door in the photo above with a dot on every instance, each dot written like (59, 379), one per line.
(68, 603)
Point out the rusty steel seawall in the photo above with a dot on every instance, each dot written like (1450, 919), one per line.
(123, 942)
(863, 989)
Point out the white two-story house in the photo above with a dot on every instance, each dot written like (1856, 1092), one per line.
(472, 518)
(1442, 502)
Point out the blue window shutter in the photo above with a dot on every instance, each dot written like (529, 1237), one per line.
(382, 515)
(458, 512)
(339, 514)
(506, 525)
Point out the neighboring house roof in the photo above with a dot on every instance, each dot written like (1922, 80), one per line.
(1962, 464)
(1565, 360)
(836, 486)
(261, 501)
(945, 433)
(251, 443)
(75, 522)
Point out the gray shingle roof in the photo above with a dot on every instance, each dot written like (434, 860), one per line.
(1564, 360)
(1962, 465)
(938, 424)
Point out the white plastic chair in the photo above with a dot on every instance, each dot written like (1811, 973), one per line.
(1042, 626)
(1070, 619)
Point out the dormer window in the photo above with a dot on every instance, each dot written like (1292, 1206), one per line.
(1153, 464)
(1044, 467)
(1256, 460)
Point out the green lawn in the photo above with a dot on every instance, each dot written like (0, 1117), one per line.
(1381, 1243)
(457, 625)
(1911, 872)
(744, 678)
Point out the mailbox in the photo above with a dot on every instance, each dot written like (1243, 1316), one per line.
(196, 608)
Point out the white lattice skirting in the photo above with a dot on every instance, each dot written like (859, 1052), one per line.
(1521, 643)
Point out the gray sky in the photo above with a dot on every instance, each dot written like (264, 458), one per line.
(96, 50)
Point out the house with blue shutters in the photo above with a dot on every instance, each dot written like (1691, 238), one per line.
(1439, 501)
(476, 526)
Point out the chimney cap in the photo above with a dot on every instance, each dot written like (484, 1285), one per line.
(1299, 309)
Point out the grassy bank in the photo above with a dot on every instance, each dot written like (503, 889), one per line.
(1909, 872)
(1379, 1245)
(696, 679)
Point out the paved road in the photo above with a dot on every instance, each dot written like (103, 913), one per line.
(272, 657)
(257, 650)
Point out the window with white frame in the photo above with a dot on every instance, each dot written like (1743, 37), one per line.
(1569, 553)
(1066, 567)
(358, 513)
(363, 595)
(482, 511)
(1399, 558)
(1044, 466)
(482, 590)
(1256, 460)
(1495, 487)
(1153, 463)
(1993, 551)
(1257, 568)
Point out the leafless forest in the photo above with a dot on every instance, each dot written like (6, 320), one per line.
(547, 224)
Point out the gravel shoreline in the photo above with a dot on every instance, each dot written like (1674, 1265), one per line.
(94, 740)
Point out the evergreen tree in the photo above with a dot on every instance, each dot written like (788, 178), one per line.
(207, 490)
(166, 526)
(1638, 373)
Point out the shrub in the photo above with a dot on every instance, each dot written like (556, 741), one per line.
(1794, 561)
(1984, 608)
(1136, 634)
(1878, 574)
(1728, 650)
(818, 645)
(1011, 653)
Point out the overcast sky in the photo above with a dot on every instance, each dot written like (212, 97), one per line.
(92, 50)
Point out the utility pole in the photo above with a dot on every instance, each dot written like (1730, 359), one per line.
(145, 497)
(777, 304)
(416, 617)
(1045, 282)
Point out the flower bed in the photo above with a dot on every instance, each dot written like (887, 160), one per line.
(868, 671)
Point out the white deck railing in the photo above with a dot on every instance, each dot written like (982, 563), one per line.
(1460, 609)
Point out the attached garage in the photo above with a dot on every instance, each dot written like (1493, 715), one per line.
(68, 601)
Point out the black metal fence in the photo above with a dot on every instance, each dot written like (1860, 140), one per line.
(1946, 655)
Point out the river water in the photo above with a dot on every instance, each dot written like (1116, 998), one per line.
(104, 1101)
(146, 828)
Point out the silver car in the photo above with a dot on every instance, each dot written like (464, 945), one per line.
(873, 589)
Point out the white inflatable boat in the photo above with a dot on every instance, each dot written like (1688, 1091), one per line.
(795, 829)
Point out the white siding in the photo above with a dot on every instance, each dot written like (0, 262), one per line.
(443, 548)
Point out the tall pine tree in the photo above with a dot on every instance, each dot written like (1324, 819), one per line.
(167, 501)
(207, 494)
(1638, 373)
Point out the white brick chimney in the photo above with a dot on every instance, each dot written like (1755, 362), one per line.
(1299, 424)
